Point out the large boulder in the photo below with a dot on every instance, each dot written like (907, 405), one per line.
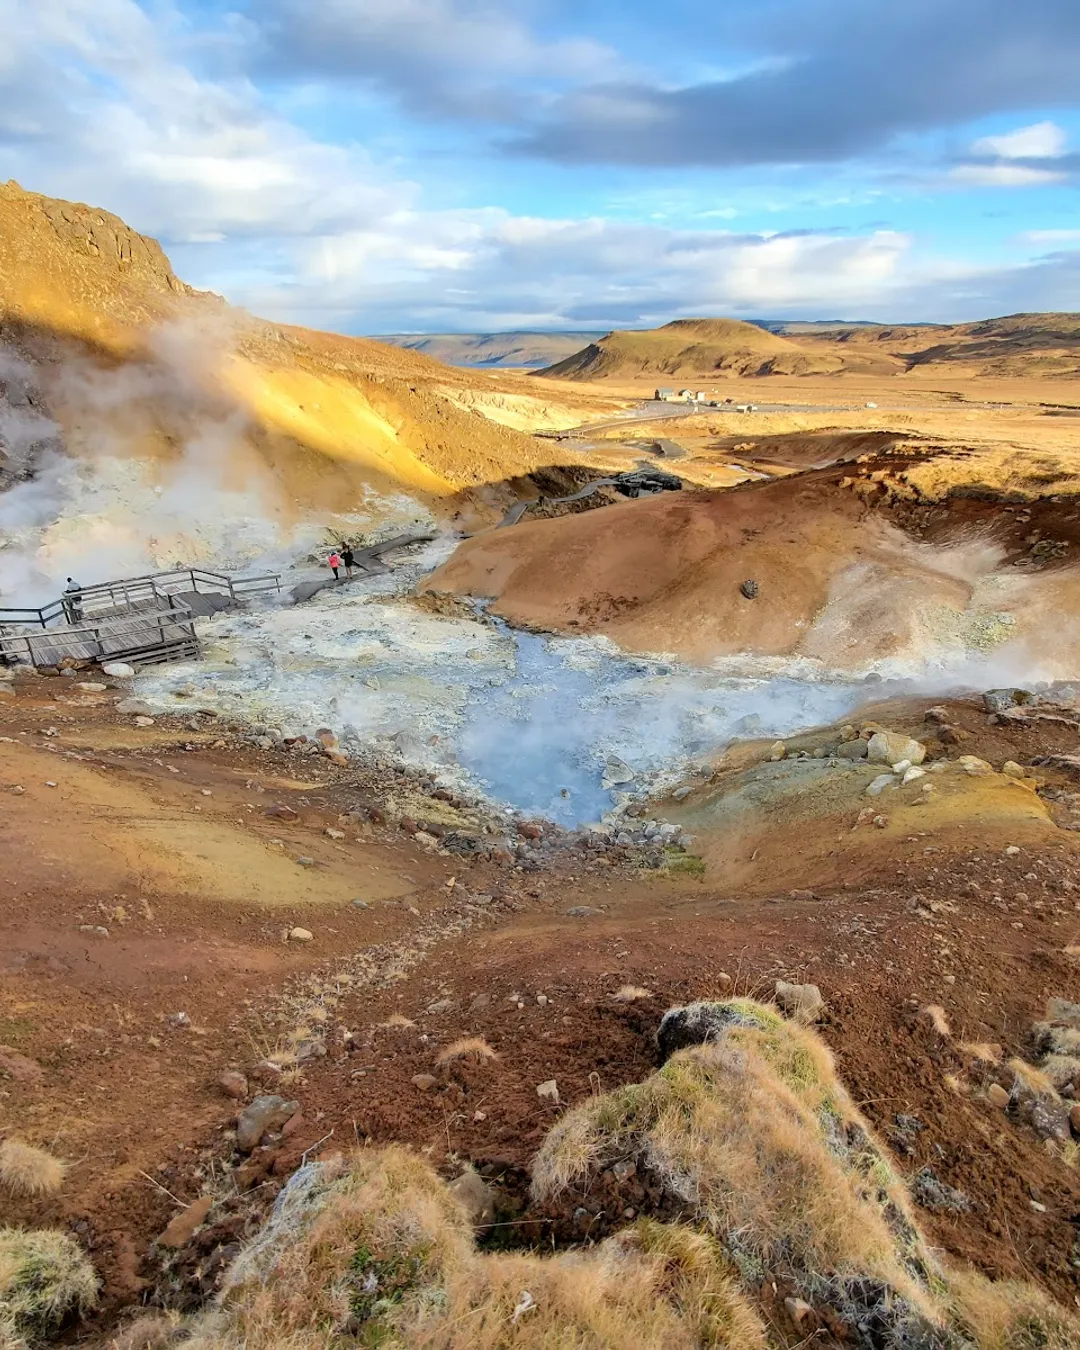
(888, 747)
(699, 1024)
(264, 1113)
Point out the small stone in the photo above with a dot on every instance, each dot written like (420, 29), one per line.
(304, 861)
(424, 1081)
(205, 792)
(777, 752)
(856, 749)
(976, 767)
(301, 935)
(1037, 1206)
(360, 904)
(182, 1228)
(582, 911)
(262, 1115)
(280, 812)
(1012, 770)
(1012, 851)
(912, 774)
(936, 714)
(1074, 1118)
(119, 670)
(331, 833)
(91, 687)
(997, 1096)
(233, 1084)
(797, 1309)
(134, 707)
(549, 1091)
(880, 783)
(803, 1003)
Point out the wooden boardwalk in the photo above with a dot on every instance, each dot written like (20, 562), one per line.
(139, 620)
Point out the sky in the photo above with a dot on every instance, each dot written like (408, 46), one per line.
(376, 166)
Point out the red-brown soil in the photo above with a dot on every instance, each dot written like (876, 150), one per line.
(127, 1094)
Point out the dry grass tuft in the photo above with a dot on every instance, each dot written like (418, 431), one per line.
(382, 1256)
(981, 1051)
(1010, 1315)
(25, 1170)
(1032, 1081)
(469, 1047)
(935, 1015)
(149, 1331)
(396, 1020)
(631, 993)
(44, 1277)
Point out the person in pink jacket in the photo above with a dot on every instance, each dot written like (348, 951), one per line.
(334, 563)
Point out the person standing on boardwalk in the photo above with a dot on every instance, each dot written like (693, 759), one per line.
(334, 563)
(348, 558)
(72, 601)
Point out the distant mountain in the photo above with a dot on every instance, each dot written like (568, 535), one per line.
(1019, 346)
(693, 347)
(526, 350)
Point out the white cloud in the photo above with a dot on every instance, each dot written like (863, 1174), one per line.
(1040, 238)
(1042, 140)
(1004, 176)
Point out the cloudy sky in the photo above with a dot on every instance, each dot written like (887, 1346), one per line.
(470, 165)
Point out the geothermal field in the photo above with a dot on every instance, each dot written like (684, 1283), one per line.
(636, 905)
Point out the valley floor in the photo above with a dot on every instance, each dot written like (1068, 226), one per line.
(151, 877)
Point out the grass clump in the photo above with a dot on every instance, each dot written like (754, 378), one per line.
(29, 1171)
(377, 1253)
(44, 1278)
(473, 1048)
(1011, 1315)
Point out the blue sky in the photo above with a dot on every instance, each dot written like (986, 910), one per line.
(469, 165)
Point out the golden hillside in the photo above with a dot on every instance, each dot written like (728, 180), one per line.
(694, 347)
(86, 299)
(1018, 346)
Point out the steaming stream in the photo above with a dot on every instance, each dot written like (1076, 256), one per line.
(559, 727)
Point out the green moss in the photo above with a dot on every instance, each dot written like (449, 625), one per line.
(379, 1284)
(676, 863)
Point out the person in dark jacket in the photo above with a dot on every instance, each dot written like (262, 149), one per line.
(348, 558)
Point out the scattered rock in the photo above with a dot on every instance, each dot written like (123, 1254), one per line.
(857, 749)
(1074, 1118)
(331, 833)
(424, 1081)
(144, 721)
(910, 775)
(750, 589)
(135, 707)
(617, 771)
(803, 1003)
(997, 1096)
(937, 714)
(549, 1091)
(301, 935)
(476, 1197)
(798, 1310)
(999, 700)
(91, 687)
(1012, 770)
(880, 783)
(118, 670)
(281, 812)
(887, 747)
(977, 768)
(582, 911)
(233, 1084)
(262, 1115)
(777, 752)
(182, 1228)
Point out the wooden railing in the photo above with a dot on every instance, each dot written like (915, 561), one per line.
(169, 624)
(135, 593)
